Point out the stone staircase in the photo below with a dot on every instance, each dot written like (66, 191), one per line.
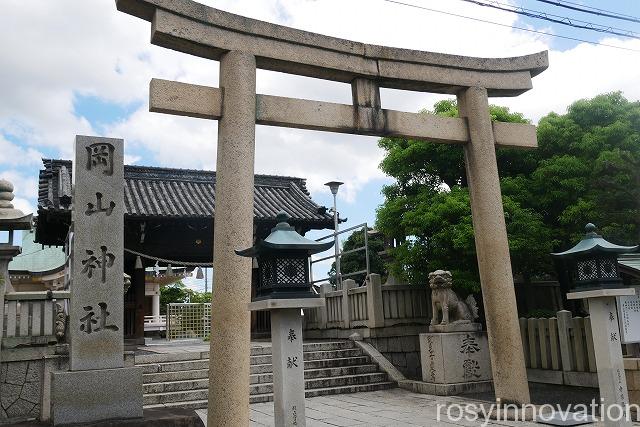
(181, 379)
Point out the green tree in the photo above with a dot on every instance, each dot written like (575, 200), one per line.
(587, 168)
(173, 293)
(356, 261)
(179, 293)
(428, 207)
(200, 297)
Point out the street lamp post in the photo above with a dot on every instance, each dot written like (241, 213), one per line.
(334, 185)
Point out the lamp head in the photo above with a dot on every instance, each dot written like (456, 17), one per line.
(334, 185)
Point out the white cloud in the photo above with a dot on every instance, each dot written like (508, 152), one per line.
(176, 141)
(25, 189)
(53, 52)
(581, 72)
(319, 157)
(14, 155)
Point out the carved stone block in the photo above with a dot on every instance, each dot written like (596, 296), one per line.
(86, 396)
(455, 359)
(96, 308)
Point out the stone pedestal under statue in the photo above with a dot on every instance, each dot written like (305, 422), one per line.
(456, 362)
(454, 354)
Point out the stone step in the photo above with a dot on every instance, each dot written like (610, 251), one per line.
(167, 398)
(268, 397)
(145, 359)
(357, 376)
(185, 365)
(328, 382)
(259, 378)
(321, 373)
(311, 346)
(332, 367)
(316, 364)
(315, 361)
(175, 396)
(263, 350)
(312, 355)
(175, 376)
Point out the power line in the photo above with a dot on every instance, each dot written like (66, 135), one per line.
(556, 18)
(591, 10)
(512, 26)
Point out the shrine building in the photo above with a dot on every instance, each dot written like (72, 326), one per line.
(169, 215)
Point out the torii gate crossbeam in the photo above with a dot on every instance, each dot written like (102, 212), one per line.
(241, 45)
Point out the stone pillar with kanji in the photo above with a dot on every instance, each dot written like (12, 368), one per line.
(287, 357)
(605, 332)
(98, 385)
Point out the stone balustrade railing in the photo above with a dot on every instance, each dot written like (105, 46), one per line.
(371, 306)
(33, 318)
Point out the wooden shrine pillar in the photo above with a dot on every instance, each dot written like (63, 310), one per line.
(137, 283)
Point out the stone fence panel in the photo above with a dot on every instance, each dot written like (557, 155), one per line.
(559, 350)
(370, 306)
(33, 318)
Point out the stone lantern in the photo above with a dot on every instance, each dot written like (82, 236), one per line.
(593, 262)
(284, 290)
(11, 219)
(592, 265)
(283, 262)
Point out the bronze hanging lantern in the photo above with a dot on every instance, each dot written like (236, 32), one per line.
(283, 262)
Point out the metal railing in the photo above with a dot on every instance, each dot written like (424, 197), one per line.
(340, 277)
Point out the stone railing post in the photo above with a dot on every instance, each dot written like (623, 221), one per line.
(346, 312)
(375, 308)
(564, 337)
(322, 311)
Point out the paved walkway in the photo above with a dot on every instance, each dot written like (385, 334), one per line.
(393, 408)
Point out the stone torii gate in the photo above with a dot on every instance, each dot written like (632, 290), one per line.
(242, 45)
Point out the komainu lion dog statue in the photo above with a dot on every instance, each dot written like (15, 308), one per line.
(444, 300)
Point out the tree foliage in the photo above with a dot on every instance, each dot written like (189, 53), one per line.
(179, 293)
(586, 169)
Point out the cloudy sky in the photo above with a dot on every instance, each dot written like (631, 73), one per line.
(80, 67)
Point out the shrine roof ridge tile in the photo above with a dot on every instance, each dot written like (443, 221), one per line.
(152, 191)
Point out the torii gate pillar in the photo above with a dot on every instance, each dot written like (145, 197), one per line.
(230, 345)
(492, 248)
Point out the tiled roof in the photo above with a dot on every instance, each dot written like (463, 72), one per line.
(182, 193)
(630, 263)
(36, 258)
